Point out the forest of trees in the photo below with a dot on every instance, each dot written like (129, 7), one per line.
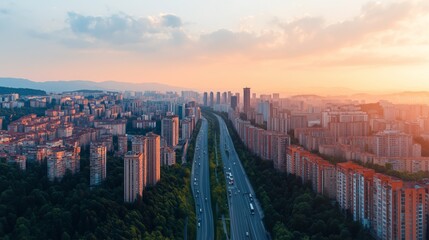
(292, 210)
(31, 207)
(22, 91)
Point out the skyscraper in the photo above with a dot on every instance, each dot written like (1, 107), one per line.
(224, 98)
(139, 145)
(234, 102)
(122, 144)
(170, 130)
(218, 98)
(56, 168)
(228, 100)
(133, 176)
(211, 99)
(153, 158)
(246, 100)
(97, 164)
(205, 99)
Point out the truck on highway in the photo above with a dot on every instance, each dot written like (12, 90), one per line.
(252, 210)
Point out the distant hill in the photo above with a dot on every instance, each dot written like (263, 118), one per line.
(88, 91)
(22, 91)
(75, 85)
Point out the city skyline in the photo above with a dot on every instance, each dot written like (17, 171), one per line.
(367, 46)
(214, 119)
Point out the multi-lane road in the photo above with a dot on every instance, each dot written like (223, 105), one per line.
(244, 210)
(201, 185)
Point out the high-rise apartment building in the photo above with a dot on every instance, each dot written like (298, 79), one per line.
(168, 156)
(170, 130)
(60, 159)
(139, 145)
(224, 98)
(346, 123)
(246, 100)
(393, 144)
(153, 158)
(133, 176)
(234, 102)
(211, 99)
(205, 99)
(97, 164)
(55, 164)
(122, 144)
(186, 129)
(228, 99)
(385, 216)
(265, 108)
(218, 98)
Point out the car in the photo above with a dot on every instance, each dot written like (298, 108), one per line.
(247, 234)
(234, 163)
(199, 164)
(201, 210)
(206, 199)
(199, 224)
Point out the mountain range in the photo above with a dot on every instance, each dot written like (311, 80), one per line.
(74, 85)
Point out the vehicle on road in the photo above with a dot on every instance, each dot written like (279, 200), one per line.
(252, 210)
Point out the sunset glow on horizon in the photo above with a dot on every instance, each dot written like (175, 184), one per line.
(375, 46)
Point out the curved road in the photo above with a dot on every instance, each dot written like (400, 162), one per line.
(201, 185)
(245, 223)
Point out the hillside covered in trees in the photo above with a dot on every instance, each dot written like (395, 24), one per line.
(33, 208)
(22, 91)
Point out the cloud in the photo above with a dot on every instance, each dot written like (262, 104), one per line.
(170, 20)
(4, 11)
(118, 28)
(310, 35)
(122, 29)
(305, 37)
(374, 60)
(226, 40)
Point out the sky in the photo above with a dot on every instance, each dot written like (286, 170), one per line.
(271, 46)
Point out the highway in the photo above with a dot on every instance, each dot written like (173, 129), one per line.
(201, 185)
(245, 222)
